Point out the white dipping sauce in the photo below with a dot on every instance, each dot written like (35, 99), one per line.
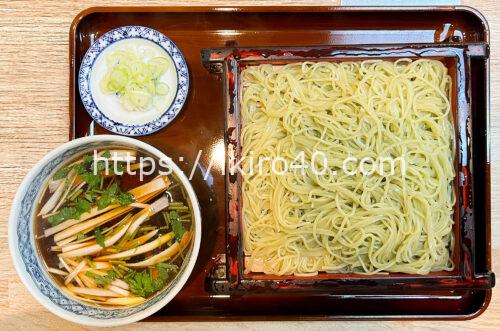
(110, 105)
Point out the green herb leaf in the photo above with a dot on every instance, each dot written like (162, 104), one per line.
(120, 168)
(83, 205)
(80, 168)
(90, 196)
(101, 280)
(173, 215)
(143, 284)
(80, 236)
(99, 237)
(104, 201)
(88, 158)
(61, 173)
(106, 154)
(140, 283)
(113, 195)
(65, 213)
(100, 165)
(177, 227)
(125, 198)
(55, 219)
(92, 180)
(71, 212)
(166, 269)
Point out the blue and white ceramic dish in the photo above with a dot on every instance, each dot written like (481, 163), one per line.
(30, 267)
(106, 109)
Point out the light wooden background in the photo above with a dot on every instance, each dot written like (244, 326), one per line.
(34, 119)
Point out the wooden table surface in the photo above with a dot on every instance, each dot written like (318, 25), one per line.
(34, 119)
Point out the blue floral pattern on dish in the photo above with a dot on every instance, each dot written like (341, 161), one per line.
(106, 40)
(33, 265)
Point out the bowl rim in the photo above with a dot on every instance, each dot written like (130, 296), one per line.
(28, 281)
(113, 125)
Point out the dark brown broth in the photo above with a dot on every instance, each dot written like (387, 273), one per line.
(127, 182)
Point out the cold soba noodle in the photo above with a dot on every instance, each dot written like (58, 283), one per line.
(304, 223)
(108, 238)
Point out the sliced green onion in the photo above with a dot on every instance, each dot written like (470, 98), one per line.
(162, 89)
(135, 81)
(158, 66)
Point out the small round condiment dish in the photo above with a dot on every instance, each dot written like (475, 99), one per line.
(106, 109)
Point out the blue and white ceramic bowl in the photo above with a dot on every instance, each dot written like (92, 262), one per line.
(106, 109)
(30, 267)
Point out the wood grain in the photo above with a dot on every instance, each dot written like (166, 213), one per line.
(34, 119)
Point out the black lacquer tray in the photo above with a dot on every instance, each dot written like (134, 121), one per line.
(217, 289)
